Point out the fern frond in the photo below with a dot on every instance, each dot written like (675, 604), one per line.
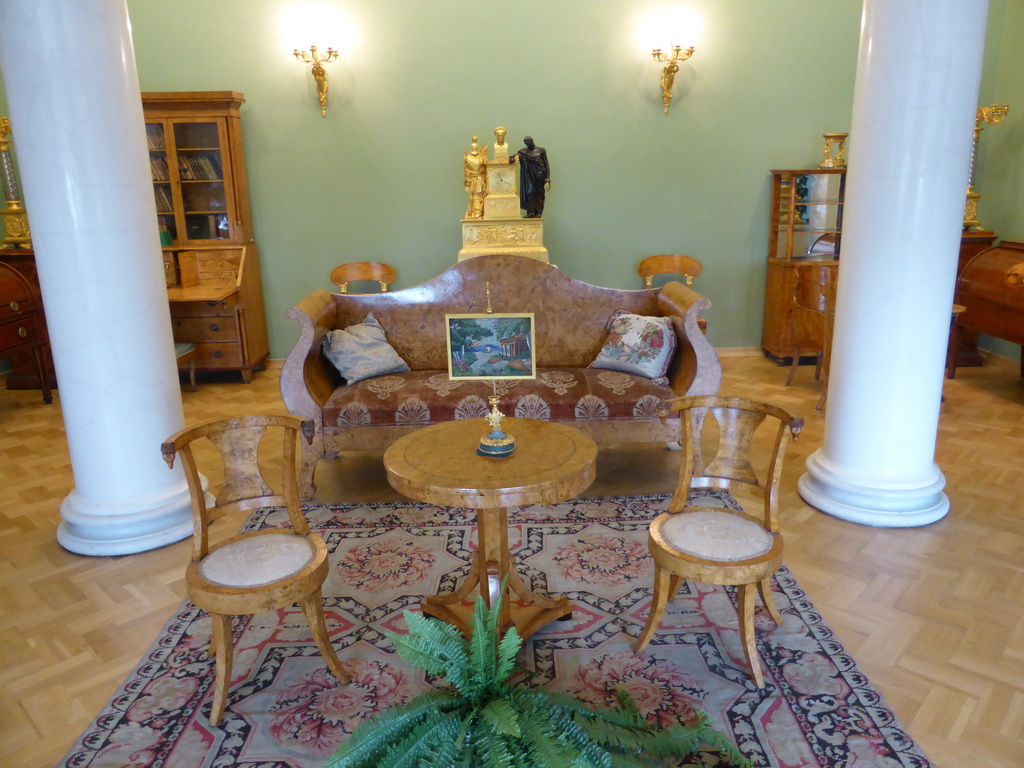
(491, 749)
(373, 737)
(543, 742)
(433, 646)
(433, 733)
(483, 645)
(502, 717)
(508, 649)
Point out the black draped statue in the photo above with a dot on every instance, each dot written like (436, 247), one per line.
(534, 178)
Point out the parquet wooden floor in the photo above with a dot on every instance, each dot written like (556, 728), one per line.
(933, 615)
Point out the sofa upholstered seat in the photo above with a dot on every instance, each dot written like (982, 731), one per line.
(557, 394)
(570, 326)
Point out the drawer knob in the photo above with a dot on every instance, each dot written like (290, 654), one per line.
(211, 303)
(14, 306)
(214, 327)
(22, 332)
(218, 355)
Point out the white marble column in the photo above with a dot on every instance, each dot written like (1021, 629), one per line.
(916, 94)
(73, 93)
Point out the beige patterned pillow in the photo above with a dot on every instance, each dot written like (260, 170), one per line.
(362, 351)
(638, 344)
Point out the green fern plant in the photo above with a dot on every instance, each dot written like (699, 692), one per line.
(483, 720)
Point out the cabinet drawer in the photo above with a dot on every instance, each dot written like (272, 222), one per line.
(218, 355)
(18, 332)
(204, 308)
(215, 328)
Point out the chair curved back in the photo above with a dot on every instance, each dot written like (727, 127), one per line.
(237, 441)
(343, 274)
(668, 264)
(732, 465)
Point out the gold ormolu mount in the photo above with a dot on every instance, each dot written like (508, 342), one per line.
(15, 218)
(496, 443)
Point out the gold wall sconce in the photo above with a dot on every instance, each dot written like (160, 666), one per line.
(668, 72)
(670, 34)
(313, 56)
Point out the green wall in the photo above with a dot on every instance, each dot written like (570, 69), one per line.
(381, 177)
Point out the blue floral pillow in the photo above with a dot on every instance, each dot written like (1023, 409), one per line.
(638, 344)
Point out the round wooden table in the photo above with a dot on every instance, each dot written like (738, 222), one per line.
(439, 465)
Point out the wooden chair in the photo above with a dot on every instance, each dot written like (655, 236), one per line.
(671, 264)
(668, 264)
(807, 315)
(257, 571)
(343, 274)
(719, 546)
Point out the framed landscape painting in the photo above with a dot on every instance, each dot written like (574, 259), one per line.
(497, 346)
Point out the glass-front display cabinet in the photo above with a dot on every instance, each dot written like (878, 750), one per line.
(806, 226)
(195, 155)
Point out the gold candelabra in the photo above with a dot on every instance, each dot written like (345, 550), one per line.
(992, 115)
(668, 72)
(312, 56)
(15, 218)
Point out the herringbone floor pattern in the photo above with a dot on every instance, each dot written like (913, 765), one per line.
(933, 615)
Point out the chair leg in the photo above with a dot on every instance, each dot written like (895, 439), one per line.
(192, 375)
(745, 593)
(658, 603)
(764, 589)
(817, 365)
(673, 586)
(222, 646)
(313, 607)
(793, 367)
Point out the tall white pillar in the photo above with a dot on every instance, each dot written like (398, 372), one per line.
(73, 94)
(916, 95)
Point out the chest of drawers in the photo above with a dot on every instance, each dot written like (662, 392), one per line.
(21, 323)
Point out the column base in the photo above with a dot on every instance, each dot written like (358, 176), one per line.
(101, 531)
(894, 507)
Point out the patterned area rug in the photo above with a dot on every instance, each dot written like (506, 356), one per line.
(286, 710)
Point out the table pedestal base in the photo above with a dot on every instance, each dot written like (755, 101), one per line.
(492, 564)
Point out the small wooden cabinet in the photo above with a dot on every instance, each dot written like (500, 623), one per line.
(21, 323)
(806, 226)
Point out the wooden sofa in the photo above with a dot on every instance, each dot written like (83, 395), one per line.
(570, 325)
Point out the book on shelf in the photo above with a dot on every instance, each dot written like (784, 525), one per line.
(154, 136)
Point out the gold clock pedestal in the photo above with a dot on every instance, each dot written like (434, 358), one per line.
(522, 237)
(501, 227)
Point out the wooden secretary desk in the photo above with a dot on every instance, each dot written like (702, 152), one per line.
(211, 264)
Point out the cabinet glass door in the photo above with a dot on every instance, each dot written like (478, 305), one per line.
(205, 184)
(162, 191)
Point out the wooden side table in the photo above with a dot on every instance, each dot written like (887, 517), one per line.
(439, 465)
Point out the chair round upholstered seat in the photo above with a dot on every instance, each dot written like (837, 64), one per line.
(713, 534)
(255, 561)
